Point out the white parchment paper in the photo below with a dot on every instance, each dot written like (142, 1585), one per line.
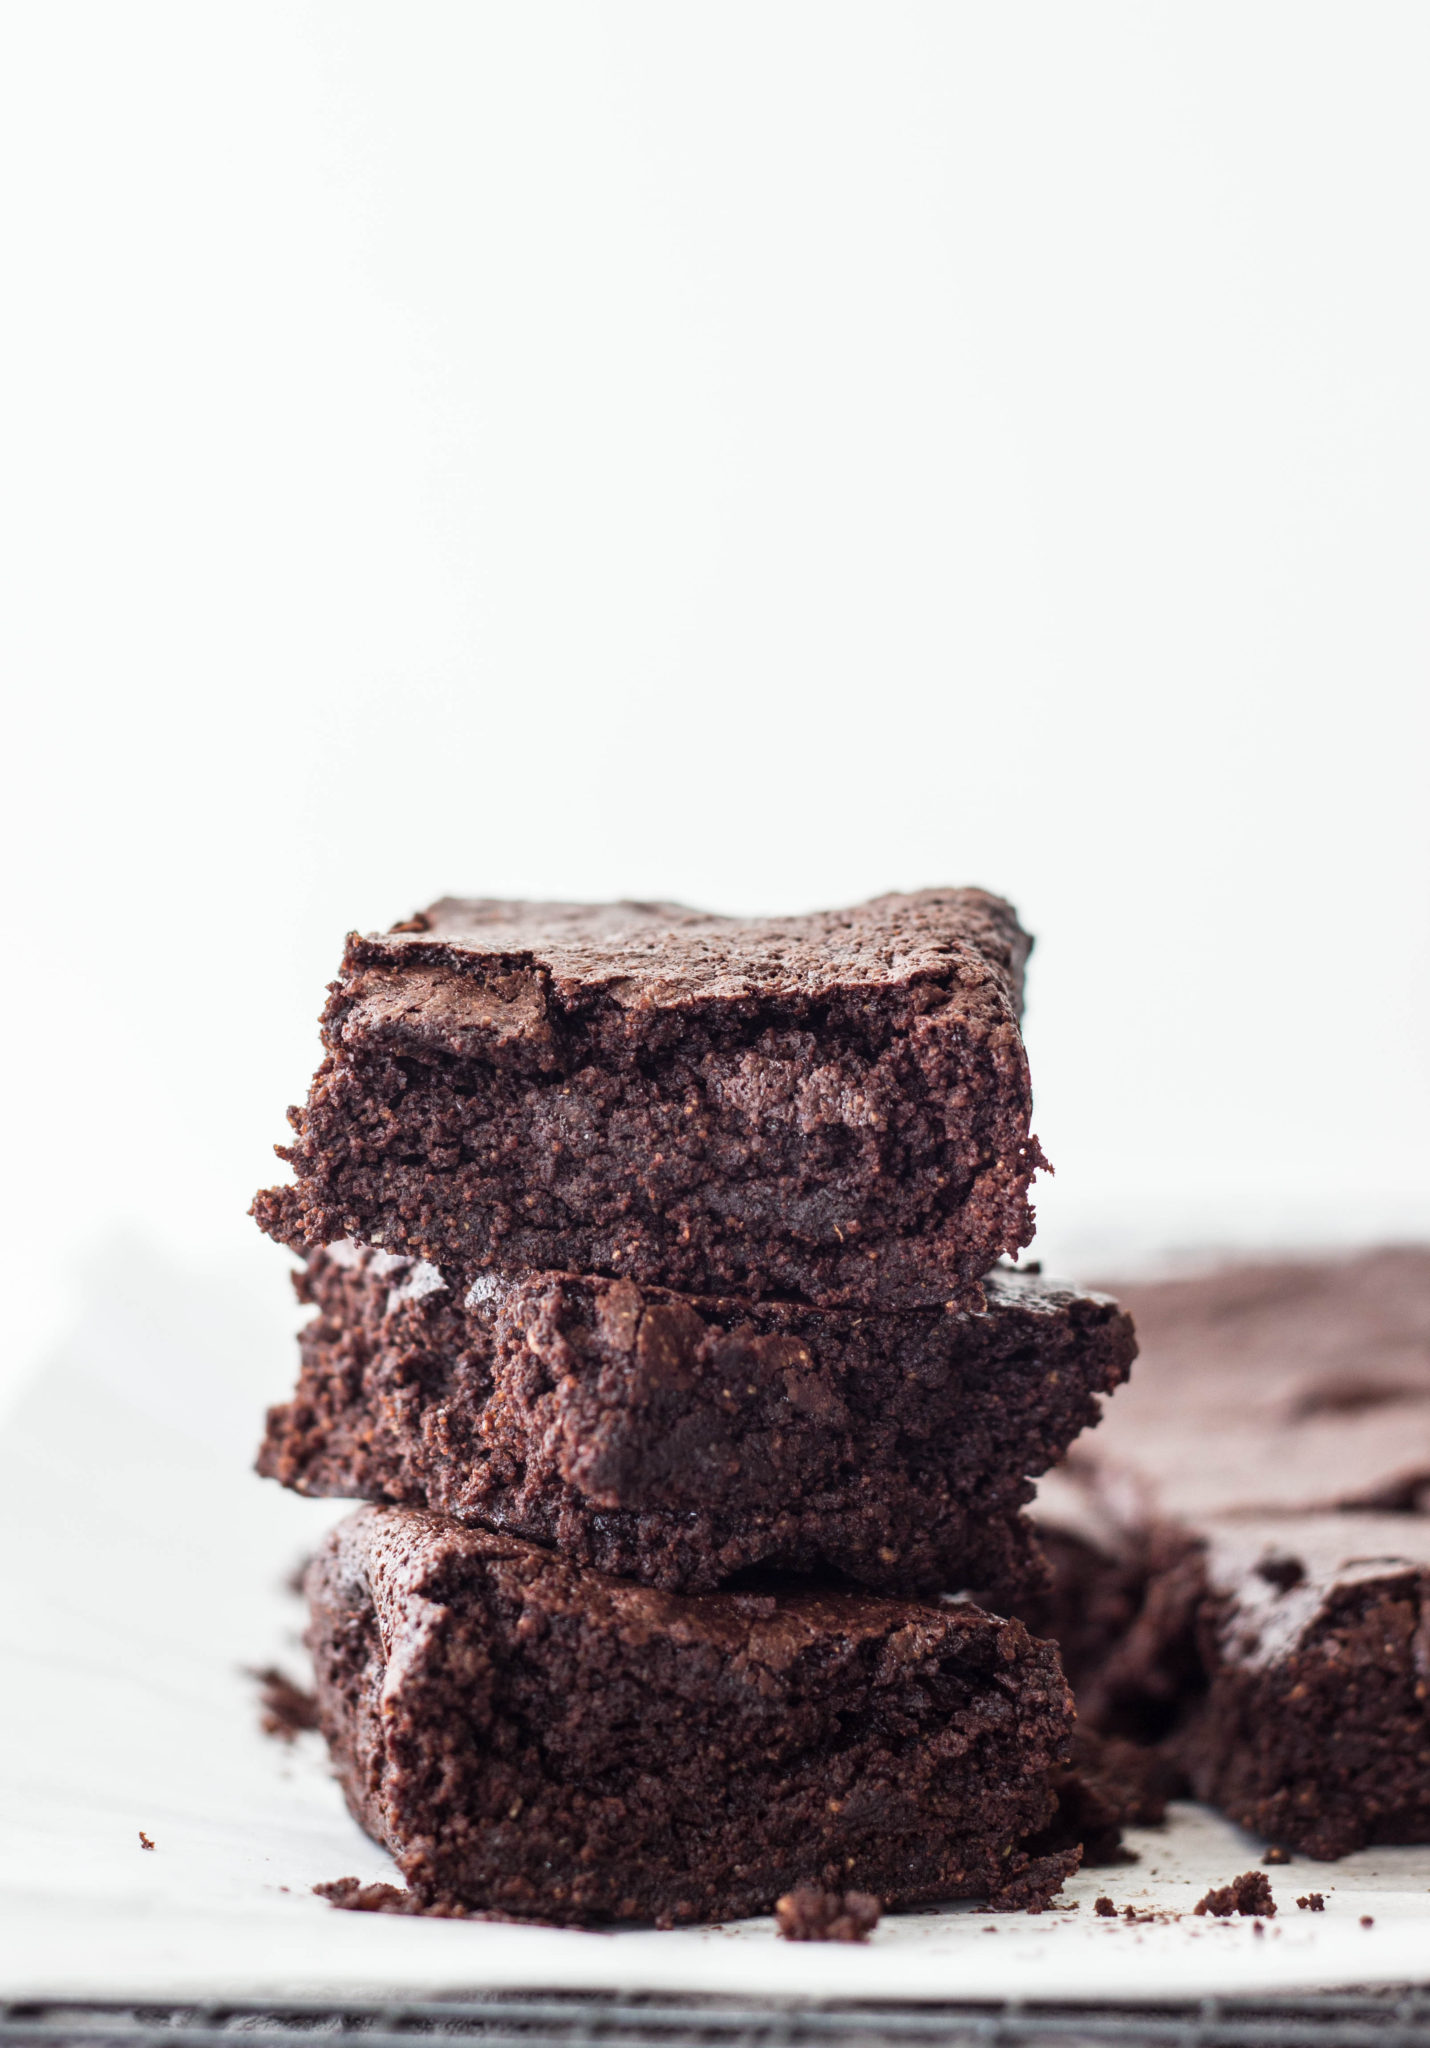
(144, 1572)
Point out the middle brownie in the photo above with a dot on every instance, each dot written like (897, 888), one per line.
(680, 1441)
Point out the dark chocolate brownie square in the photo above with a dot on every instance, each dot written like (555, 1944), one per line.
(678, 1440)
(1241, 1558)
(1314, 1633)
(833, 1108)
(533, 1738)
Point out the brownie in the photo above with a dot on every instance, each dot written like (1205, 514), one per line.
(534, 1738)
(1314, 1632)
(680, 1441)
(832, 1108)
(1241, 1561)
(1279, 1387)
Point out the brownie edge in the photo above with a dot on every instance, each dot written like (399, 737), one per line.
(832, 1108)
(531, 1738)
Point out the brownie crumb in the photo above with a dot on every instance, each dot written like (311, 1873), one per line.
(1248, 1895)
(287, 1710)
(1282, 1572)
(1275, 1855)
(144, 1841)
(1104, 1908)
(1314, 1902)
(351, 1895)
(293, 1580)
(809, 1914)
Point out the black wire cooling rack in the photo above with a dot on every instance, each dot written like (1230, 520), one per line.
(1398, 2018)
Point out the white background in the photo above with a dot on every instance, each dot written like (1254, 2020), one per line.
(752, 452)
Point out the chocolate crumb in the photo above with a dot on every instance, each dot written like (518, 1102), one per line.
(355, 1897)
(1248, 1895)
(1366, 1920)
(1314, 1902)
(1104, 1908)
(144, 1841)
(809, 1914)
(1281, 1572)
(351, 1895)
(1275, 1855)
(287, 1710)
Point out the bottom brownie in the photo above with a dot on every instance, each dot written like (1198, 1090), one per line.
(528, 1736)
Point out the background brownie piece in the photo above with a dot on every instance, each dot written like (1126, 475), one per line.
(1315, 1634)
(1213, 1586)
(831, 1107)
(1285, 1386)
(529, 1737)
(1297, 1650)
(679, 1440)
(1276, 1387)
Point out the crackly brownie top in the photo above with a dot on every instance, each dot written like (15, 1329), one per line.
(1274, 1387)
(406, 1556)
(663, 953)
(1277, 1577)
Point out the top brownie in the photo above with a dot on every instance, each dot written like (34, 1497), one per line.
(833, 1108)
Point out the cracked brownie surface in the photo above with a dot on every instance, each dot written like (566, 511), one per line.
(680, 1440)
(530, 1737)
(833, 1108)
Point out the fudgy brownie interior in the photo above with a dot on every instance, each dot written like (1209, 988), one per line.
(681, 1440)
(833, 1108)
(531, 1737)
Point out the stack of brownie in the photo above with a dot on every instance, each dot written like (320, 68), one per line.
(658, 1313)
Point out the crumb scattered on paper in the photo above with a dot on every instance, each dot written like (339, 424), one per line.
(1249, 1894)
(287, 1710)
(351, 1895)
(811, 1914)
